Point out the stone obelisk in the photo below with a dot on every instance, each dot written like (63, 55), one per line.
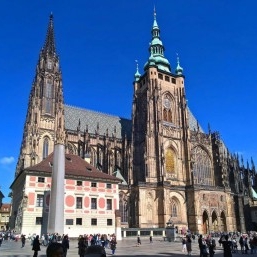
(56, 210)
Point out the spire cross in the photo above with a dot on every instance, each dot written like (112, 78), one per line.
(136, 64)
(177, 58)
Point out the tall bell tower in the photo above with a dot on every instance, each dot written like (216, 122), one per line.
(159, 137)
(44, 123)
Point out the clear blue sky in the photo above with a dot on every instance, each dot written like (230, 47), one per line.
(98, 42)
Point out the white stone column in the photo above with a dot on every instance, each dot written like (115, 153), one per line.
(56, 210)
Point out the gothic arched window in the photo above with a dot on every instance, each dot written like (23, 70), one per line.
(167, 115)
(123, 208)
(93, 157)
(45, 147)
(202, 167)
(170, 161)
(70, 149)
(48, 96)
(174, 208)
(174, 211)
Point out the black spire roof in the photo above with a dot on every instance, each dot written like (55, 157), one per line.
(49, 46)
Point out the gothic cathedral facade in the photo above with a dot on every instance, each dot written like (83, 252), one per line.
(171, 168)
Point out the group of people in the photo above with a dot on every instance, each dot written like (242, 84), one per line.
(105, 241)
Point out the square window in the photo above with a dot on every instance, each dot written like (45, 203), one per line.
(40, 200)
(93, 222)
(79, 183)
(109, 222)
(173, 80)
(93, 203)
(160, 76)
(69, 221)
(93, 184)
(109, 204)
(78, 202)
(39, 220)
(41, 179)
(167, 78)
(108, 185)
(78, 221)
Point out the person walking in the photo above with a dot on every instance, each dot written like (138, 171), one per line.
(227, 247)
(184, 245)
(66, 245)
(36, 246)
(113, 244)
(81, 246)
(23, 239)
(189, 245)
(138, 241)
(151, 239)
(200, 243)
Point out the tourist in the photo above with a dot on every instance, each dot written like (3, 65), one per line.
(82, 246)
(200, 243)
(138, 241)
(54, 250)
(23, 239)
(227, 247)
(188, 245)
(65, 244)
(113, 244)
(183, 244)
(36, 246)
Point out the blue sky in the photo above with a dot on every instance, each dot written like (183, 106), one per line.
(98, 42)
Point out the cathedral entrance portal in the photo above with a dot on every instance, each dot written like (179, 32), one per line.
(223, 223)
(205, 222)
(214, 220)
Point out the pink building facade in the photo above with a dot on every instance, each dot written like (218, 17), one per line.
(90, 199)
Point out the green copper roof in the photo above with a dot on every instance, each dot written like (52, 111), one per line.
(179, 69)
(137, 74)
(156, 50)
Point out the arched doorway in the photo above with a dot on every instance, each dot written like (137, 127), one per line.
(205, 222)
(214, 221)
(223, 223)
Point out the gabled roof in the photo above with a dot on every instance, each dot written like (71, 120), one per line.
(91, 119)
(75, 166)
(6, 207)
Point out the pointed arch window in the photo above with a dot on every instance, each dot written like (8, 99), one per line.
(93, 158)
(48, 96)
(174, 211)
(170, 161)
(123, 210)
(45, 147)
(167, 114)
(202, 167)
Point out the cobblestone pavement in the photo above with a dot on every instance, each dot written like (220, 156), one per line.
(126, 247)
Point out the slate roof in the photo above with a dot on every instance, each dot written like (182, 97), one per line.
(74, 166)
(92, 118)
(193, 122)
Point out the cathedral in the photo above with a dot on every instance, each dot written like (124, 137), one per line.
(171, 170)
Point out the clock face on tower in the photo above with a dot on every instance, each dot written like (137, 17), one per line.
(167, 103)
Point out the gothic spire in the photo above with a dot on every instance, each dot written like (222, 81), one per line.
(156, 50)
(137, 74)
(179, 69)
(49, 46)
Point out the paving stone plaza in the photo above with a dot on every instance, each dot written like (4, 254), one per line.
(126, 247)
